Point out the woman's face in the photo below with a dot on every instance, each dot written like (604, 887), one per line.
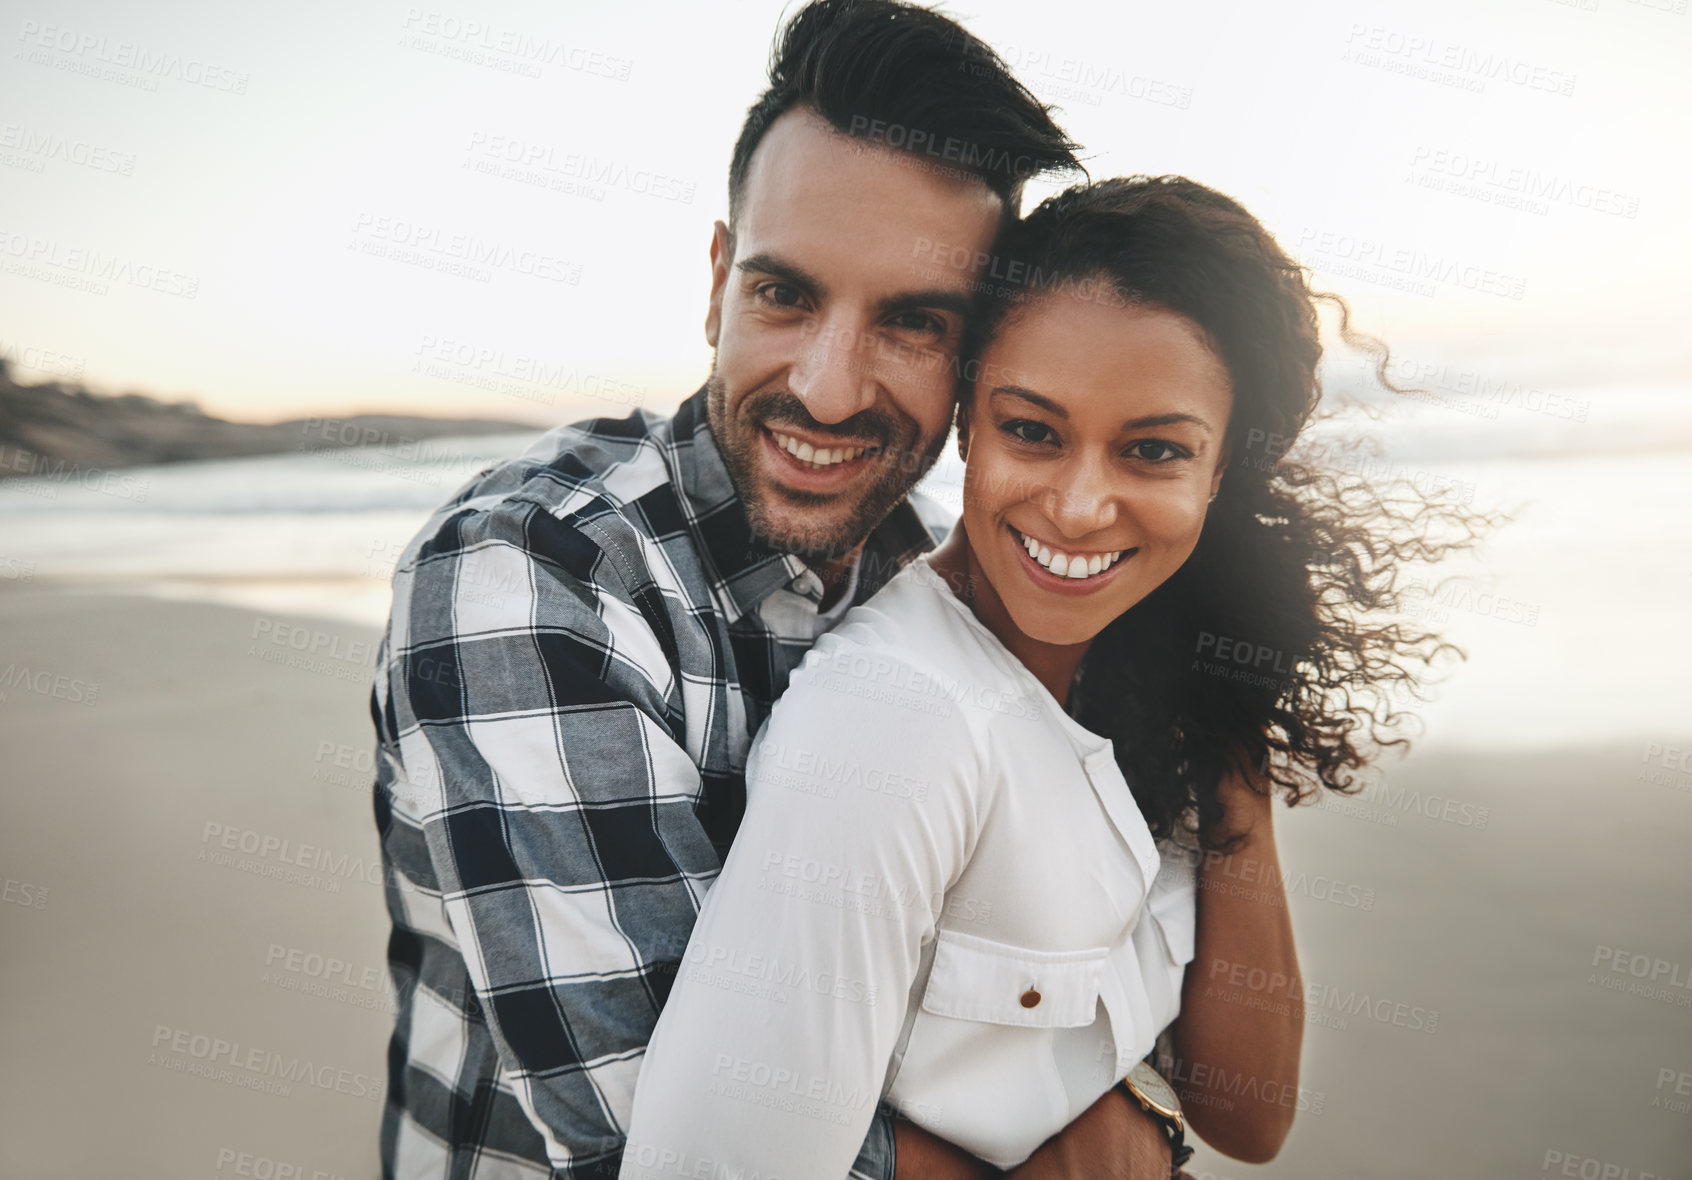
(1094, 440)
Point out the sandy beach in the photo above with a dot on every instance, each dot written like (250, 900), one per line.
(193, 917)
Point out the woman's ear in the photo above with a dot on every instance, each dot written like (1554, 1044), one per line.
(1221, 467)
(963, 431)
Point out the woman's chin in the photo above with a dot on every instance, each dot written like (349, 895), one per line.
(1051, 627)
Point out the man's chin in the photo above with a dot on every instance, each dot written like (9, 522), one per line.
(803, 534)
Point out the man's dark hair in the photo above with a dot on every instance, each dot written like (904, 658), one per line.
(904, 76)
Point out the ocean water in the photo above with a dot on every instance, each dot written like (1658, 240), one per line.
(1576, 616)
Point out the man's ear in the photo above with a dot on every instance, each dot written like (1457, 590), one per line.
(722, 254)
(963, 431)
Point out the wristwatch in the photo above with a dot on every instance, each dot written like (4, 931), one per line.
(1157, 1098)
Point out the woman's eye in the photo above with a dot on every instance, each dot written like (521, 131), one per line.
(919, 321)
(1028, 431)
(1155, 450)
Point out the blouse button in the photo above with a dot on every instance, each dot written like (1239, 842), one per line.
(1030, 998)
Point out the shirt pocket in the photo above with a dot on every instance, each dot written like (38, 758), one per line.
(974, 978)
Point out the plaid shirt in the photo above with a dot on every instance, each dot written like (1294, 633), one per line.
(583, 643)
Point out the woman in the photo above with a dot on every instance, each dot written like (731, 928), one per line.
(969, 874)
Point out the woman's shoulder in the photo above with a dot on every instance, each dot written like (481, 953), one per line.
(915, 635)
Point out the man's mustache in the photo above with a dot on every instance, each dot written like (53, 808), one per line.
(780, 408)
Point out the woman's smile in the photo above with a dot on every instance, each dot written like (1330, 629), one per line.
(1066, 571)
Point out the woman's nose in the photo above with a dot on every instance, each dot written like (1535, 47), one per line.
(1081, 503)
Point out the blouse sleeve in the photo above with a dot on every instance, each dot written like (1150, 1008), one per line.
(862, 809)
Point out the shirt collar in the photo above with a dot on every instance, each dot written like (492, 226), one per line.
(744, 569)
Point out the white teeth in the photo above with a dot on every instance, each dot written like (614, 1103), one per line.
(816, 456)
(1066, 565)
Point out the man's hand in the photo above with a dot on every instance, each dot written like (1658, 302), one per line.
(1113, 1140)
(921, 1155)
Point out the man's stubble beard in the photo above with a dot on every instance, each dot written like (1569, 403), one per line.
(827, 542)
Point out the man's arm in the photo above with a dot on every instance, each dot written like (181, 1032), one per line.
(1114, 1139)
(530, 698)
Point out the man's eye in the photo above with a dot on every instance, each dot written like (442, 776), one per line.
(1156, 450)
(1028, 430)
(779, 294)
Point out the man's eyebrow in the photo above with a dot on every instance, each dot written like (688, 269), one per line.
(1051, 407)
(789, 272)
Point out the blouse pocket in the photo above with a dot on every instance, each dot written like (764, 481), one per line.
(1173, 902)
(974, 978)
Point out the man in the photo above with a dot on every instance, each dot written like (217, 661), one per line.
(585, 639)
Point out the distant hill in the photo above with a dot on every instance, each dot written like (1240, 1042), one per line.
(44, 426)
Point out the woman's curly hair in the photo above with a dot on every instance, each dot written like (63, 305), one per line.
(1296, 564)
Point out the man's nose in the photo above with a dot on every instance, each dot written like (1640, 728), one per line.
(832, 374)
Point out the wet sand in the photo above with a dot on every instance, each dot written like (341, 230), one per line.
(191, 917)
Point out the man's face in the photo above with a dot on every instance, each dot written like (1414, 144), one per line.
(836, 332)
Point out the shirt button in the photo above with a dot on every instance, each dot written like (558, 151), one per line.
(1030, 998)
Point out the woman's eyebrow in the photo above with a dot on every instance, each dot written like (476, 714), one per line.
(1052, 407)
(1164, 420)
(1028, 395)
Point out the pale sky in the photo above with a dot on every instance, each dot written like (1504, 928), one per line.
(1521, 166)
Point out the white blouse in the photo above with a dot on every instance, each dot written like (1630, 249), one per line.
(942, 893)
